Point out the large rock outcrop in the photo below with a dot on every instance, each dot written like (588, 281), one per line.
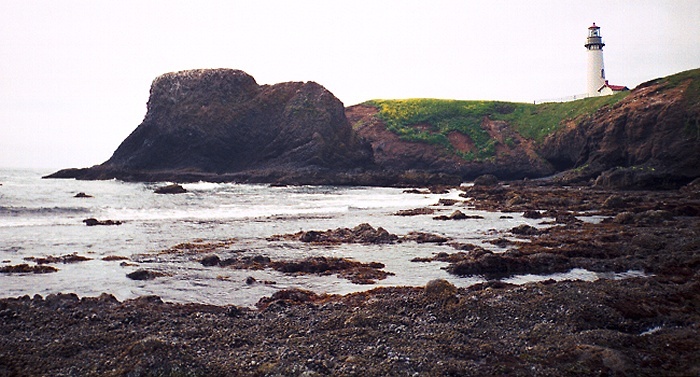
(219, 124)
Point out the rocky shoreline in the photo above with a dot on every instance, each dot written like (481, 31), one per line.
(636, 326)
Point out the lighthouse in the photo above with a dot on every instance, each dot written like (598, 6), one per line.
(596, 70)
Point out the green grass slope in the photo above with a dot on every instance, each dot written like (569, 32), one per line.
(431, 120)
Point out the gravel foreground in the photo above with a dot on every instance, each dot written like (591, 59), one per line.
(643, 326)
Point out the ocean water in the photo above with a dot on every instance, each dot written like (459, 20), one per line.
(42, 217)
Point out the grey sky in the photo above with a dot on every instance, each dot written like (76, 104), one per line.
(75, 75)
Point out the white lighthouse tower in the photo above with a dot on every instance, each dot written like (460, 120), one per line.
(596, 70)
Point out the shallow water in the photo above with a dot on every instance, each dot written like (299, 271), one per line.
(41, 218)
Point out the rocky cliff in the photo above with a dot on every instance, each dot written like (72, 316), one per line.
(650, 139)
(647, 138)
(219, 124)
(514, 156)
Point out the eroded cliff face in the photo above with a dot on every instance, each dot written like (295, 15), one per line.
(650, 139)
(219, 124)
(515, 158)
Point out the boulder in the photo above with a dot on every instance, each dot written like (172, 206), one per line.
(142, 274)
(93, 222)
(210, 260)
(486, 180)
(170, 189)
(525, 230)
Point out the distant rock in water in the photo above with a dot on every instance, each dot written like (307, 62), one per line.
(94, 222)
(170, 189)
(220, 125)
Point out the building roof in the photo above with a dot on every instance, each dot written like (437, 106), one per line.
(614, 88)
(594, 26)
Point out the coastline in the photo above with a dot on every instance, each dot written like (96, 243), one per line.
(635, 326)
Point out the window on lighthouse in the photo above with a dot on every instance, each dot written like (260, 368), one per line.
(602, 73)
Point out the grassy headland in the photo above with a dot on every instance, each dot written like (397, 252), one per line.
(431, 120)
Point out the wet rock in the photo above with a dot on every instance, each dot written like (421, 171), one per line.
(515, 200)
(416, 191)
(288, 297)
(171, 189)
(614, 202)
(68, 258)
(486, 180)
(363, 233)
(532, 214)
(447, 202)
(566, 218)
(415, 212)
(250, 280)
(143, 274)
(82, 195)
(457, 215)
(525, 230)
(653, 217)
(110, 258)
(93, 222)
(649, 217)
(56, 300)
(624, 218)
(421, 237)
(496, 266)
(199, 246)
(464, 246)
(439, 289)
(356, 272)
(25, 268)
(500, 242)
(210, 260)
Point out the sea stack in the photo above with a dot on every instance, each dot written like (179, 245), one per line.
(220, 125)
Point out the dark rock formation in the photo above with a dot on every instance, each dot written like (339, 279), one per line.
(25, 268)
(457, 215)
(93, 222)
(170, 189)
(363, 233)
(142, 274)
(67, 258)
(415, 212)
(486, 180)
(220, 125)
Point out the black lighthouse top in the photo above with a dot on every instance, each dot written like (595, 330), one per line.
(594, 40)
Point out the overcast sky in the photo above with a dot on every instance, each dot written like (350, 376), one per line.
(75, 75)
